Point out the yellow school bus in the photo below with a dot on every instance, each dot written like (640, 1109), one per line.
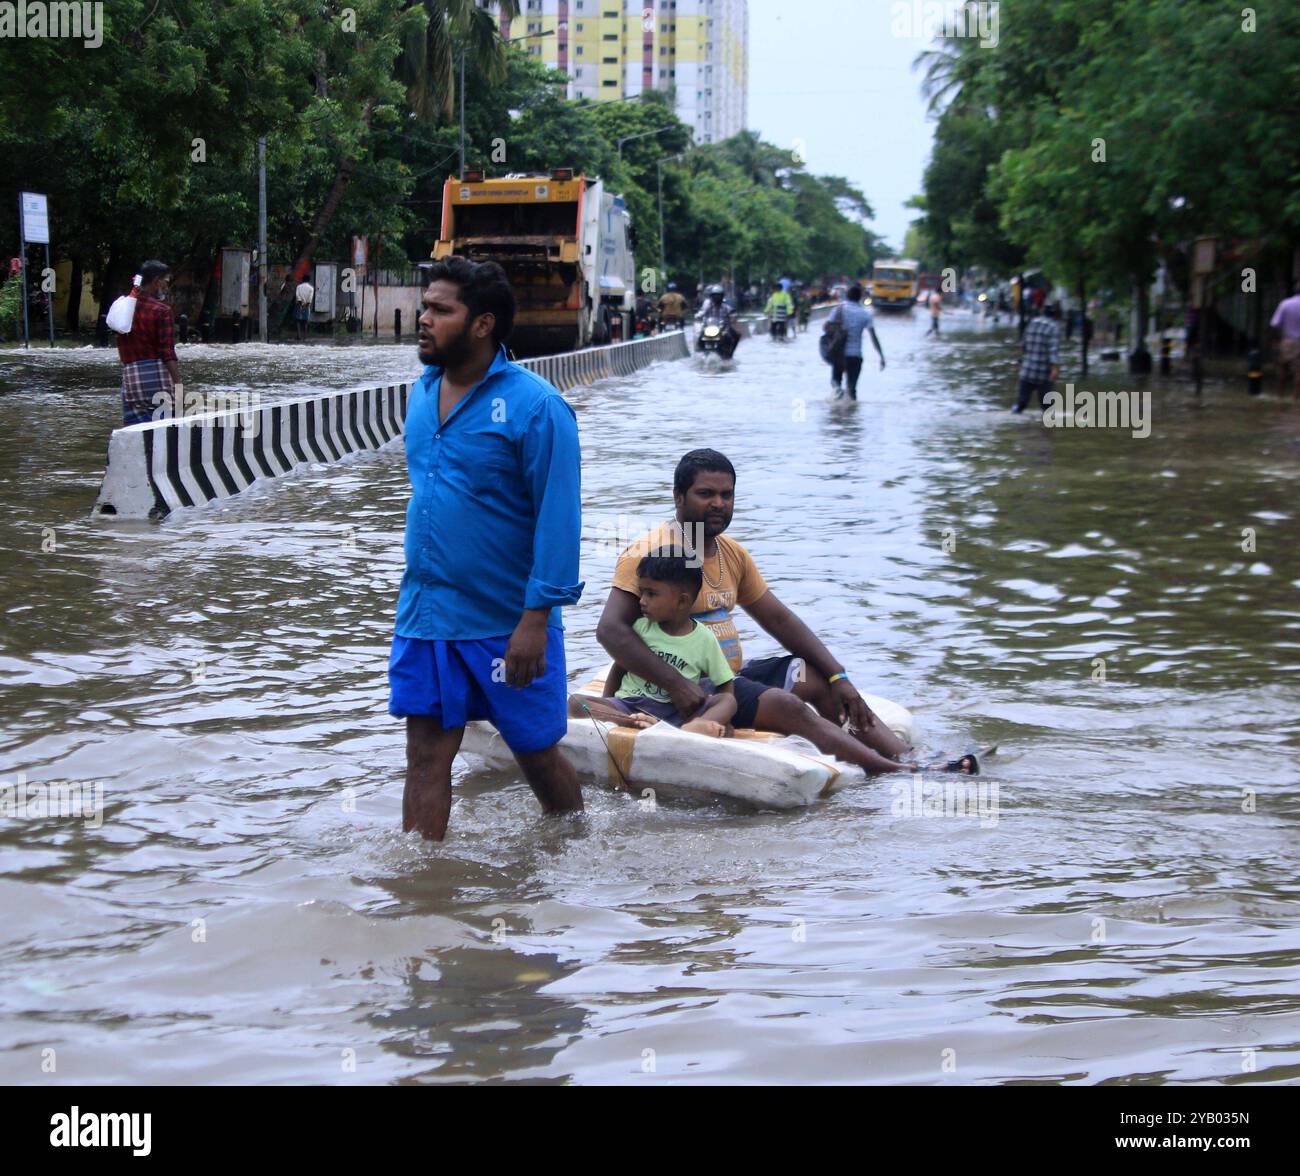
(893, 284)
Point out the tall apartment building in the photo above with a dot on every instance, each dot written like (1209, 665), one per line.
(612, 49)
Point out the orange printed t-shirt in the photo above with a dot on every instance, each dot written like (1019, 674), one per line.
(741, 583)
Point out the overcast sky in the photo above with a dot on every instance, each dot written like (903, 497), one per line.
(832, 74)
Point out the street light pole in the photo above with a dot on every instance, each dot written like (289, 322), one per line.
(641, 135)
(659, 183)
(262, 270)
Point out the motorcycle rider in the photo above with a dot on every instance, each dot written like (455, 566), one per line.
(672, 307)
(717, 310)
(779, 309)
(643, 325)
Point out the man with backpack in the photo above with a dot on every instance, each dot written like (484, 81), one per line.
(844, 349)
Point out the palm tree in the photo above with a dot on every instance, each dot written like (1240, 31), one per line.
(427, 67)
(761, 162)
(428, 62)
(949, 67)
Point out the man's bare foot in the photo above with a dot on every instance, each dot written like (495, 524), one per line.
(638, 720)
(705, 727)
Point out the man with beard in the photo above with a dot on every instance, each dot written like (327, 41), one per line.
(492, 535)
(770, 693)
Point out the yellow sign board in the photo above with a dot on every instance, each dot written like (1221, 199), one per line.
(530, 191)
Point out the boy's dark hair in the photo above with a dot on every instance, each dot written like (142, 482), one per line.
(700, 461)
(671, 569)
(153, 269)
(855, 293)
(484, 288)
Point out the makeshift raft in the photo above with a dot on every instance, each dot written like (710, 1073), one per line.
(756, 768)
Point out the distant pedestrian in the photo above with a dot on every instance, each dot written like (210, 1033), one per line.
(1286, 319)
(852, 318)
(151, 377)
(936, 302)
(1041, 360)
(302, 300)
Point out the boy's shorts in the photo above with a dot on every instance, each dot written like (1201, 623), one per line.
(457, 682)
(639, 704)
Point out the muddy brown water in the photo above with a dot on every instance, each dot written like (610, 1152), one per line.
(249, 911)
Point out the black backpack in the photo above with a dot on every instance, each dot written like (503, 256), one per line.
(833, 340)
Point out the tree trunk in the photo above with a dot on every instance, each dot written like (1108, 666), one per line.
(341, 180)
(72, 319)
(1139, 360)
(1083, 325)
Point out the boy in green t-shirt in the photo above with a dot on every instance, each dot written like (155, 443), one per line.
(668, 587)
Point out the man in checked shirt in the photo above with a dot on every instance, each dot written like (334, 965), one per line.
(151, 378)
(1041, 362)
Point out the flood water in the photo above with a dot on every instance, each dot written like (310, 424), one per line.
(250, 912)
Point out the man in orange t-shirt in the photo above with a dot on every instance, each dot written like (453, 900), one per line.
(771, 692)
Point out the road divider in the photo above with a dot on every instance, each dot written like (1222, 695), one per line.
(161, 466)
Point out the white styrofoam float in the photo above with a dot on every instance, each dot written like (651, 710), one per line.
(757, 768)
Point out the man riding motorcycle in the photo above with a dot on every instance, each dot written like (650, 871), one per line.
(672, 308)
(780, 309)
(717, 330)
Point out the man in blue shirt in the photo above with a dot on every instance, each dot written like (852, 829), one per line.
(492, 535)
(852, 318)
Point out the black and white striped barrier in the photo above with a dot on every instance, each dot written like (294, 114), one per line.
(599, 363)
(160, 466)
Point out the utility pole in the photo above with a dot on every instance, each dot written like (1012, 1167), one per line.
(659, 182)
(262, 270)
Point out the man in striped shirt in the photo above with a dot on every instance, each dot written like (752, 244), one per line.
(1041, 361)
(151, 377)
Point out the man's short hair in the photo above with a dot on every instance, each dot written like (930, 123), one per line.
(669, 568)
(700, 461)
(855, 293)
(153, 269)
(484, 289)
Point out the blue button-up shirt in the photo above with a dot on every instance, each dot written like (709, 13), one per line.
(495, 516)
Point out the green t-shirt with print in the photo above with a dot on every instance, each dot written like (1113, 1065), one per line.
(695, 656)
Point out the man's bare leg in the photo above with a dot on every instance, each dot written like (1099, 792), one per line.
(552, 779)
(426, 800)
(815, 689)
(785, 713)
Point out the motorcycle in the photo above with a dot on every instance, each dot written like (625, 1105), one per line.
(714, 337)
(777, 329)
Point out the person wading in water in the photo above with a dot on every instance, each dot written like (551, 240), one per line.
(492, 535)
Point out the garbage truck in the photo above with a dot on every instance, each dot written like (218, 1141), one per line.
(565, 243)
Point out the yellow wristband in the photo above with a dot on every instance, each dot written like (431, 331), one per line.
(840, 677)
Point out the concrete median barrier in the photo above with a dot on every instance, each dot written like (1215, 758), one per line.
(163, 465)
